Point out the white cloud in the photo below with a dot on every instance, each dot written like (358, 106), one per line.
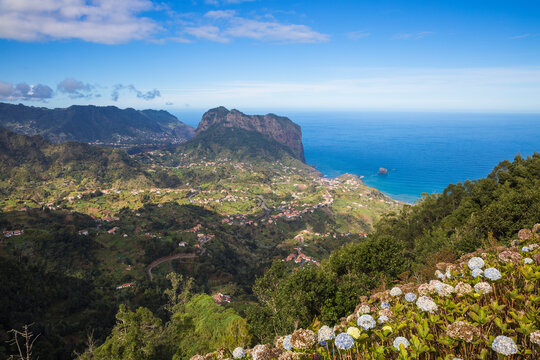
(23, 91)
(228, 26)
(75, 88)
(99, 21)
(149, 95)
(412, 36)
(226, 2)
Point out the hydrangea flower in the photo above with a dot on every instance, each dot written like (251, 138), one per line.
(395, 291)
(366, 322)
(525, 249)
(287, 343)
(387, 329)
(445, 290)
(410, 297)
(238, 353)
(476, 263)
(344, 341)
(463, 288)
(504, 345)
(382, 319)
(426, 304)
(385, 305)
(439, 274)
(477, 273)
(354, 332)
(326, 333)
(400, 340)
(426, 289)
(303, 339)
(483, 288)
(492, 274)
(528, 260)
(535, 337)
(363, 309)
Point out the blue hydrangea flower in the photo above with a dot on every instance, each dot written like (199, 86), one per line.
(344, 341)
(385, 305)
(504, 345)
(400, 340)
(477, 272)
(238, 353)
(287, 343)
(525, 249)
(410, 297)
(492, 274)
(366, 322)
(382, 319)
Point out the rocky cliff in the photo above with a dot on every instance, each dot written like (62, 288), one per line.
(280, 129)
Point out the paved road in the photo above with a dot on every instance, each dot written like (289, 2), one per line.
(165, 259)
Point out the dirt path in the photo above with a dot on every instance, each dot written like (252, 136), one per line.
(165, 259)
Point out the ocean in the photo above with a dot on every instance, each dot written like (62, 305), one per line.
(423, 152)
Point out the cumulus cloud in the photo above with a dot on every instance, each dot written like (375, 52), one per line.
(99, 21)
(227, 25)
(23, 91)
(75, 88)
(149, 95)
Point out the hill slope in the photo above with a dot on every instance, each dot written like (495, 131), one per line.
(94, 124)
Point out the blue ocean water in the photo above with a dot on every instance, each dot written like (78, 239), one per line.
(423, 152)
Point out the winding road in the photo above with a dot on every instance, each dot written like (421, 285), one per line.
(165, 259)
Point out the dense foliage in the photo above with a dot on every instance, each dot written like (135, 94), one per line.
(404, 245)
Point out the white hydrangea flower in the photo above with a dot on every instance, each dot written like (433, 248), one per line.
(504, 345)
(363, 309)
(492, 274)
(525, 249)
(366, 322)
(400, 340)
(326, 333)
(395, 291)
(410, 297)
(477, 273)
(426, 304)
(535, 337)
(445, 290)
(476, 263)
(528, 260)
(238, 353)
(483, 288)
(382, 319)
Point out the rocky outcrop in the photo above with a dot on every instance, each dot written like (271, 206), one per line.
(280, 129)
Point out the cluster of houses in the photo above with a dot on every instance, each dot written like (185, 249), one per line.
(10, 233)
(301, 258)
(125, 286)
(220, 299)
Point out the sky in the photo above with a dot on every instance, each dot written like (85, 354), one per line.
(400, 55)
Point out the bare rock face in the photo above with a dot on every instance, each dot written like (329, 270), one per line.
(279, 128)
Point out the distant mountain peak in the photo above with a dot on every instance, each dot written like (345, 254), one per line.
(278, 128)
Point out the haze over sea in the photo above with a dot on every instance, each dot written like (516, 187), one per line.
(423, 152)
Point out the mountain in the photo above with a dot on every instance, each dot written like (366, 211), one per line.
(277, 128)
(96, 124)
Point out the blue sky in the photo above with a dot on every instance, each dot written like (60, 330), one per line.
(471, 56)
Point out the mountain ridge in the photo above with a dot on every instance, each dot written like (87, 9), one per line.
(107, 125)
